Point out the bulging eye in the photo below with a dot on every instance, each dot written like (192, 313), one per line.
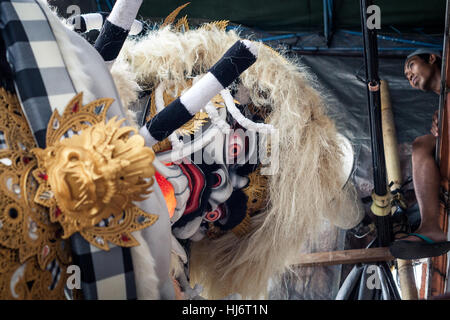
(220, 179)
(235, 146)
(214, 215)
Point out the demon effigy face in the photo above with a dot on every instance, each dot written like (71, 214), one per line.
(218, 181)
(215, 170)
(242, 221)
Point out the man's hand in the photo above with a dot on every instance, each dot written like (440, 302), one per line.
(435, 124)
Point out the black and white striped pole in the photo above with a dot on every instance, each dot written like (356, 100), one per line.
(235, 61)
(114, 27)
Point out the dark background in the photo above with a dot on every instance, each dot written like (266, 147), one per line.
(288, 15)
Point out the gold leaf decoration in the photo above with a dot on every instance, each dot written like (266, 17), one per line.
(256, 192)
(182, 25)
(170, 19)
(244, 227)
(30, 245)
(221, 25)
(89, 179)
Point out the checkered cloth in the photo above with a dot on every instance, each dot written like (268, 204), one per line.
(104, 273)
(55, 270)
(43, 84)
(3, 144)
(35, 59)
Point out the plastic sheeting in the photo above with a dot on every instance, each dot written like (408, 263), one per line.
(346, 99)
(369, 282)
(347, 103)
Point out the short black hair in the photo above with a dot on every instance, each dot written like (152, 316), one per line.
(426, 57)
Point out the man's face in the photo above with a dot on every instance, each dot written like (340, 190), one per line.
(419, 72)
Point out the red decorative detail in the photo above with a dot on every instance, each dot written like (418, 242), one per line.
(57, 212)
(197, 185)
(75, 107)
(235, 150)
(168, 193)
(214, 215)
(45, 251)
(26, 160)
(235, 146)
(124, 238)
(43, 175)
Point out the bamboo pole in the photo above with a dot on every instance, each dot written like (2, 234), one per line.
(344, 257)
(394, 172)
(405, 268)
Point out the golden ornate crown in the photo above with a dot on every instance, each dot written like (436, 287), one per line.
(89, 180)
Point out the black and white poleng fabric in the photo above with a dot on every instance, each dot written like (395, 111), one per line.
(34, 57)
(235, 61)
(105, 274)
(43, 84)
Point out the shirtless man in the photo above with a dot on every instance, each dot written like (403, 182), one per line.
(423, 71)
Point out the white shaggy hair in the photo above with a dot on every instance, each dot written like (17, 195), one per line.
(127, 87)
(308, 185)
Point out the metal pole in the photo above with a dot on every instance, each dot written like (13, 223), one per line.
(443, 95)
(442, 157)
(381, 198)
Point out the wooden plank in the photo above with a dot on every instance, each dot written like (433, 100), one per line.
(423, 282)
(439, 264)
(344, 257)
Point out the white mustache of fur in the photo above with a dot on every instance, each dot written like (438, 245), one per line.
(308, 185)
